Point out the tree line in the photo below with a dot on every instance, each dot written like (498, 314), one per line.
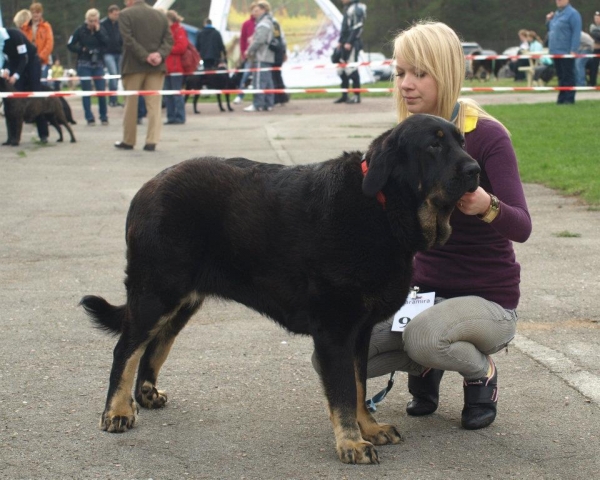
(492, 23)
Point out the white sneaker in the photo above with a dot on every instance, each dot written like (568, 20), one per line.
(268, 109)
(237, 100)
(251, 108)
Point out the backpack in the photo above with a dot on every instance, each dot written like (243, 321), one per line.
(190, 59)
(276, 44)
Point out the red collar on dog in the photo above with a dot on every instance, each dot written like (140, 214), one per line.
(380, 195)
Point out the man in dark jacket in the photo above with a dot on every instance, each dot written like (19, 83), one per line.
(114, 48)
(23, 69)
(147, 41)
(209, 44)
(350, 45)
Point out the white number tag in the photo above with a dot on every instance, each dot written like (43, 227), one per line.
(411, 309)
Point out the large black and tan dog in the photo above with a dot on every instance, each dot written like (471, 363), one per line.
(25, 110)
(323, 249)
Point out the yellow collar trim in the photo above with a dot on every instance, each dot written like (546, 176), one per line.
(471, 118)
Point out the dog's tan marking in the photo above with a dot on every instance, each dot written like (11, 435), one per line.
(376, 433)
(350, 446)
(440, 133)
(435, 225)
(149, 396)
(122, 411)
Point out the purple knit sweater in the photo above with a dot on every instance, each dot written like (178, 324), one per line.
(478, 258)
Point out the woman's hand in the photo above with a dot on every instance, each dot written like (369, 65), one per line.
(476, 203)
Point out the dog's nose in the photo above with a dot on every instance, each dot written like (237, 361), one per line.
(471, 169)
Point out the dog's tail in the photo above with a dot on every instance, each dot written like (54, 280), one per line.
(105, 316)
(67, 109)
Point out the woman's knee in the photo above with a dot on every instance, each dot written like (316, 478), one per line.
(422, 339)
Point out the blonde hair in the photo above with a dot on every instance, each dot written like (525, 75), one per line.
(92, 13)
(434, 48)
(266, 6)
(174, 16)
(22, 17)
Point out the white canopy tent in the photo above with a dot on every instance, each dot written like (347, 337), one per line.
(311, 36)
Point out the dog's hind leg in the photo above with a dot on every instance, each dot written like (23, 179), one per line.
(146, 393)
(70, 130)
(52, 120)
(337, 374)
(196, 104)
(228, 102)
(143, 317)
(376, 433)
(219, 102)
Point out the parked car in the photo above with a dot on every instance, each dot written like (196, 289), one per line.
(469, 47)
(380, 72)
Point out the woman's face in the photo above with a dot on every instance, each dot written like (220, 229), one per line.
(418, 89)
(36, 17)
(93, 22)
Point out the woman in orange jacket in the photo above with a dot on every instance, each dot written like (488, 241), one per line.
(39, 32)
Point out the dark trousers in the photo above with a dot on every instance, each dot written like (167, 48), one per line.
(593, 64)
(565, 71)
(30, 81)
(349, 56)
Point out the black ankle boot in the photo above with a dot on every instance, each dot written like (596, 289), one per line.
(481, 398)
(342, 99)
(425, 389)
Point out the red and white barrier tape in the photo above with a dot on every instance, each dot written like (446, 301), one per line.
(378, 63)
(204, 92)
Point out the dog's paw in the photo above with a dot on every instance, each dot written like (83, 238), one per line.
(360, 452)
(114, 421)
(150, 397)
(382, 434)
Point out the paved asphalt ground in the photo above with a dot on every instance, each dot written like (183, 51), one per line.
(244, 402)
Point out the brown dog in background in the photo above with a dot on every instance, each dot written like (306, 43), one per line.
(25, 110)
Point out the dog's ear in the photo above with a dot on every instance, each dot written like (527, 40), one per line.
(383, 156)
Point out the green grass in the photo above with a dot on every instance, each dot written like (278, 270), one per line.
(556, 145)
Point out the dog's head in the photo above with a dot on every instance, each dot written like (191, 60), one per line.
(424, 154)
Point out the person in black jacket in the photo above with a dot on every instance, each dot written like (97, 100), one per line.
(89, 42)
(114, 48)
(209, 44)
(350, 45)
(23, 69)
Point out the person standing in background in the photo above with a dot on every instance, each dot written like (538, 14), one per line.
(22, 69)
(39, 32)
(147, 41)
(350, 45)
(594, 62)
(57, 72)
(114, 48)
(174, 80)
(280, 51)
(89, 43)
(586, 47)
(262, 58)
(564, 33)
(209, 44)
(245, 35)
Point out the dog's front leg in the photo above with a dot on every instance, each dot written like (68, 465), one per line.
(376, 433)
(337, 375)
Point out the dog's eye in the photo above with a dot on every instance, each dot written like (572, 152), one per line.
(436, 144)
